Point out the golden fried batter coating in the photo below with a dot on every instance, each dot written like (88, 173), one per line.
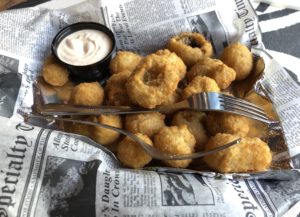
(154, 80)
(238, 57)
(200, 84)
(194, 122)
(175, 140)
(89, 94)
(175, 97)
(251, 154)
(131, 154)
(147, 124)
(114, 89)
(105, 136)
(218, 122)
(242, 88)
(190, 47)
(214, 69)
(174, 60)
(124, 60)
(55, 73)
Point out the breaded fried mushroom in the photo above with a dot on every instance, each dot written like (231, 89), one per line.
(214, 69)
(54, 73)
(124, 61)
(200, 84)
(218, 122)
(89, 94)
(154, 79)
(238, 57)
(175, 140)
(194, 122)
(147, 124)
(131, 154)
(114, 89)
(250, 155)
(190, 47)
(177, 63)
(175, 97)
(105, 136)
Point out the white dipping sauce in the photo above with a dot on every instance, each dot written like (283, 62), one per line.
(84, 47)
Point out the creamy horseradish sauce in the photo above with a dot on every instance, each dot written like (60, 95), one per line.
(84, 47)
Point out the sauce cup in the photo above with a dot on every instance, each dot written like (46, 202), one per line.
(86, 49)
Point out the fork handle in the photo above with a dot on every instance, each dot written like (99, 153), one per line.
(59, 109)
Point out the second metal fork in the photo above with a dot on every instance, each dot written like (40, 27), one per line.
(152, 151)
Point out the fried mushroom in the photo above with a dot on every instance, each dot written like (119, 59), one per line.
(214, 69)
(54, 73)
(194, 120)
(174, 60)
(238, 57)
(88, 94)
(114, 89)
(106, 136)
(131, 154)
(175, 97)
(154, 80)
(147, 124)
(200, 84)
(250, 155)
(175, 140)
(190, 47)
(124, 61)
(218, 122)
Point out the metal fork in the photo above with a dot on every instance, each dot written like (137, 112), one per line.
(152, 151)
(205, 101)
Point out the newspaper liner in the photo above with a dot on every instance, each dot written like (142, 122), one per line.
(50, 173)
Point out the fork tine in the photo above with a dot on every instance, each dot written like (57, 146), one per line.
(239, 111)
(242, 103)
(205, 153)
(212, 101)
(245, 108)
(230, 105)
